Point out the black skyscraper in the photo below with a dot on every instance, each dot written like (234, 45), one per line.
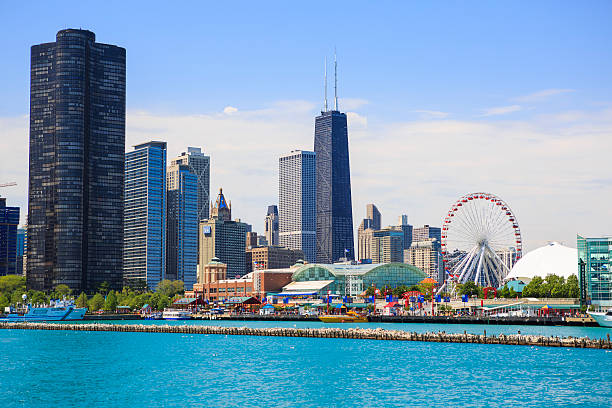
(334, 207)
(77, 145)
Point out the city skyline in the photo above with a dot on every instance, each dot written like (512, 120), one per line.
(533, 129)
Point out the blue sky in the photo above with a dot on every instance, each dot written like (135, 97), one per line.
(441, 97)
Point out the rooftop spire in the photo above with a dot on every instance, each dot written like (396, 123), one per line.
(335, 81)
(325, 85)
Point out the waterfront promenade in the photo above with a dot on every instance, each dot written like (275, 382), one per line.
(350, 333)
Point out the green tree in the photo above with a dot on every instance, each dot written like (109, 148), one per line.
(12, 283)
(82, 300)
(165, 288)
(179, 287)
(110, 304)
(469, 288)
(61, 291)
(534, 288)
(163, 303)
(36, 297)
(504, 292)
(4, 302)
(96, 303)
(572, 288)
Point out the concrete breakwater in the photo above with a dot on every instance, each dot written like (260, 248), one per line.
(332, 332)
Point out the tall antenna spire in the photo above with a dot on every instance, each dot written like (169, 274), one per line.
(335, 81)
(325, 86)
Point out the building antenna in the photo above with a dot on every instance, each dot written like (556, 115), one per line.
(335, 81)
(325, 86)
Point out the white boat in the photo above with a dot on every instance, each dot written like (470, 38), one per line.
(603, 319)
(57, 311)
(176, 314)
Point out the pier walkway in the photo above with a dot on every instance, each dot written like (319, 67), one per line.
(350, 333)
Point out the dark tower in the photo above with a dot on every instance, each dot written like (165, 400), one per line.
(333, 181)
(77, 146)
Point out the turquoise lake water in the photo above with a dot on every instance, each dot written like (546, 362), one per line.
(106, 369)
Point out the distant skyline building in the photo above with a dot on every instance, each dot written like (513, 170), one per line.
(425, 237)
(22, 242)
(425, 255)
(297, 202)
(9, 220)
(387, 246)
(271, 226)
(182, 224)
(199, 164)
(224, 239)
(333, 183)
(77, 147)
(406, 230)
(370, 223)
(144, 234)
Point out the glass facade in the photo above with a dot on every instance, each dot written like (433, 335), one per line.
(182, 225)
(333, 186)
(144, 251)
(9, 219)
(77, 147)
(378, 275)
(596, 279)
(297, 202)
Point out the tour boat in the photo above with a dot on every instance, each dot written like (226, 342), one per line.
(603, 319)
(175, 314)
(349, 317)
(58, 311)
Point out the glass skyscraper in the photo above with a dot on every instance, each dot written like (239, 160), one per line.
(297, 202)
(144, 234)
(77, 147)
(199, 164)
(9, 219)
(182, 225)
(333, 183)
(595, 270)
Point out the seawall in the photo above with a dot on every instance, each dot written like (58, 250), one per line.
(332, 332)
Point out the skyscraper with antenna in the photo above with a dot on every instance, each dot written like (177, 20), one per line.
(333, 182)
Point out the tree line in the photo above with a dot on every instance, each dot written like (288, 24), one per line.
(13, 287)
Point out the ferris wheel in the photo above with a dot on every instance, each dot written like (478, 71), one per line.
(481, 240)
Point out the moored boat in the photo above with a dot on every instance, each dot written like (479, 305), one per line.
(349, 317)
(176, 314)
(58, 311)
(604, 319)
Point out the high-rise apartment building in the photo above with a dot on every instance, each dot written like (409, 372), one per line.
(9, 219)
(426, 232)
(334, 205)
(371, 223)
(271, 257)
(272, 231)
(144, 233)
(297, 202)
(222, 238)
(182, 224)
(387, 246)
(77, 146)
(425, 255)
(199, 164)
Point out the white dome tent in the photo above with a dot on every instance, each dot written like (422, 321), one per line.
(553, 258)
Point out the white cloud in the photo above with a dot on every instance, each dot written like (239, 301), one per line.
(228, 110)
(554, 175)
(348, 104)
(429, 114)
(501, 110)
(541, 95)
